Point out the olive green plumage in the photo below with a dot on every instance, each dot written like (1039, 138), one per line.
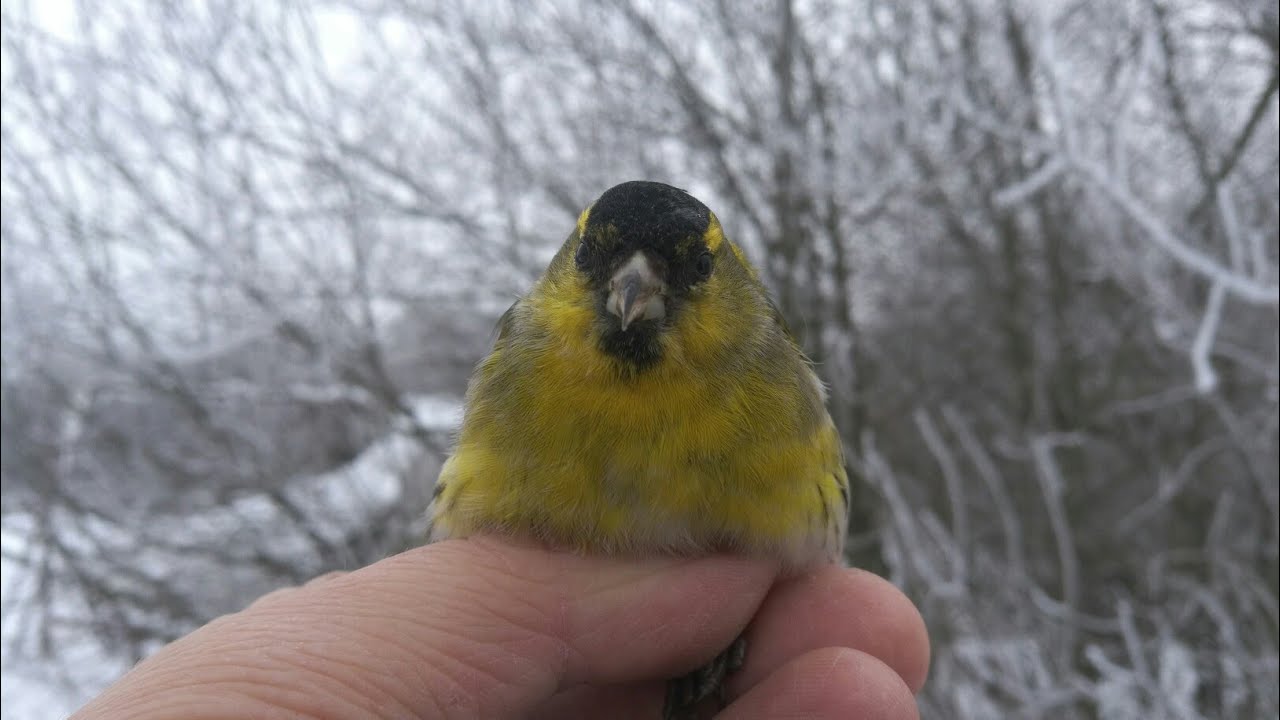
(644, 397)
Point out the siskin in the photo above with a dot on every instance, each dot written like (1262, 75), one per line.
(644, 397)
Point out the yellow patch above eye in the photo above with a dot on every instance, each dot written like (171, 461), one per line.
(714, 236)
(582, 222)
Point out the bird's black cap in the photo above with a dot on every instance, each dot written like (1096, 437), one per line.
(649, 214)
(665, 222)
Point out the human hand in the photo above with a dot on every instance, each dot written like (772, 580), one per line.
(482, 628)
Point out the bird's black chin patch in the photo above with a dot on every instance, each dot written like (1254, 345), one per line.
(639, 347)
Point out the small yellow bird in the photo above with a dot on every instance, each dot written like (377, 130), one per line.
(646, 397)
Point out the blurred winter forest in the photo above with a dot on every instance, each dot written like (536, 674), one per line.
(251, 251)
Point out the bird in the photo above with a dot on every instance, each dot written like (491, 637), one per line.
(646, 397)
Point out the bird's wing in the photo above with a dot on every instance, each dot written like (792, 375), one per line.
(504, 323)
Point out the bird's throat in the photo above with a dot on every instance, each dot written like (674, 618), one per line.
(638, 348)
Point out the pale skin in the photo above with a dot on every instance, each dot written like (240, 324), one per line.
(484, 628)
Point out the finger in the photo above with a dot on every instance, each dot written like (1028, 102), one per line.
(831, 683)
(799, 615)
(475, 628)
(275, 595)
(836, 607)
(593, 620)
(326, 577)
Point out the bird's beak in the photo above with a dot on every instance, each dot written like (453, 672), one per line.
(636, 292)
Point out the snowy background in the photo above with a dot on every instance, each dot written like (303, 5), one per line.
(251, 251)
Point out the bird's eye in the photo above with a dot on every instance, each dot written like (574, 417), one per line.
(580, 257)
(704, 265)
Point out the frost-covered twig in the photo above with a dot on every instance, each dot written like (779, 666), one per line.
(1206, 379)
(1023, 190)
(1010, 523)
(955, 488)
(1052, 487)
(876, 469)
(1239, 285)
